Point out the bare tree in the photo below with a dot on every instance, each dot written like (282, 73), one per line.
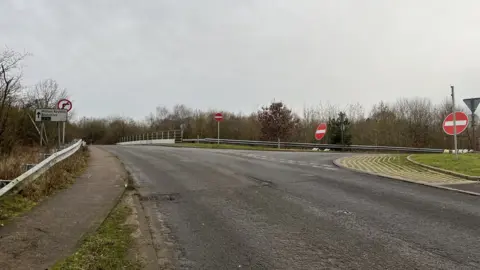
(46, 94)
(10, 75)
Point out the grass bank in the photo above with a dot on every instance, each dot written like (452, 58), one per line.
(56, 178)
(468, 164)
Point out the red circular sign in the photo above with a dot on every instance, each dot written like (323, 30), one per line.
(461, 120)
(218, 117)
(321, 131)
(64, 104)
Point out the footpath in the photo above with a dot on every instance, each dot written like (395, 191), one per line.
(53, 229)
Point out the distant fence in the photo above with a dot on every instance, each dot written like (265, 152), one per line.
(148, 137)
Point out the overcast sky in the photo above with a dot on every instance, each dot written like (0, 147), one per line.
(124, 57)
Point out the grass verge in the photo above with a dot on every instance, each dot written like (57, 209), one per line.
(468, 164)
(109, 247)
(56, 178)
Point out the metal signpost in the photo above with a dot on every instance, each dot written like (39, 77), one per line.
(218, 117)
(321, 131)
(64, 104)
(452, 120)
(472, 104)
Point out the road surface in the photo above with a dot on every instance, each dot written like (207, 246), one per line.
(227, 209)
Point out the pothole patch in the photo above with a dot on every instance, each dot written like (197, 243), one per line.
(169, 197)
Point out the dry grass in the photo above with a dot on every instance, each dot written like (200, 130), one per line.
(11, 166)
(56, 178)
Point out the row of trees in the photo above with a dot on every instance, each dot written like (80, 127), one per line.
(18, 102)
(407, 122)
(414, 122)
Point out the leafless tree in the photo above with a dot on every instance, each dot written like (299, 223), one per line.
(46, 94)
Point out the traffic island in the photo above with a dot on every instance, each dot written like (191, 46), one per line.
(399, 168)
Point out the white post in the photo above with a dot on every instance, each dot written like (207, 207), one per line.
(454, 123)
(218, 132)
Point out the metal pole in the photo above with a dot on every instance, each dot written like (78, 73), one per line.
(474, 145)
(41, 134)
(278, 143)
(63, 137)
(59, 135)
(454, 123)
(218, 132)
(341, 126)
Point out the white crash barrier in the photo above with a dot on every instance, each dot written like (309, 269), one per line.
(141, 142)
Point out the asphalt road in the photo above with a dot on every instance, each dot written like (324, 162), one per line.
(225, 209)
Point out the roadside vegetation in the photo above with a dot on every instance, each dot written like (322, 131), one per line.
(468, 164)
(414, 122)
(58, 177)
(110, 247)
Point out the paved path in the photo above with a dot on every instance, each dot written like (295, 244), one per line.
(217, 209)
(52, 230)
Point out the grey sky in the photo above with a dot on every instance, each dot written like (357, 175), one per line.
(126, 57)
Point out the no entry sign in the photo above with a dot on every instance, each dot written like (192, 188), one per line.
(321, 131)
(461, 120)
(218, 117)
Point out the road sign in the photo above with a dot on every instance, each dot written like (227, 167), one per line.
(64, 104)
(218, 117)
(321, 131)
(51, 115)
(472, 103)
(461, 123)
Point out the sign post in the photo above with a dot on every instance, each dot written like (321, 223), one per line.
(321, 131)
(64, 104)
(218, 117)
(472, 104)
(454, 124)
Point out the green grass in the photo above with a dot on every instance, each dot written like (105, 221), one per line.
(11, 206)
(468, 164)
(107, 248)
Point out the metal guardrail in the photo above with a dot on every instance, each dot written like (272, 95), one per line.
(320, 146)
(33, 173)
(157, 135)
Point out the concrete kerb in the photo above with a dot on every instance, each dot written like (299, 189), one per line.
(461, 175)
(337, 163)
